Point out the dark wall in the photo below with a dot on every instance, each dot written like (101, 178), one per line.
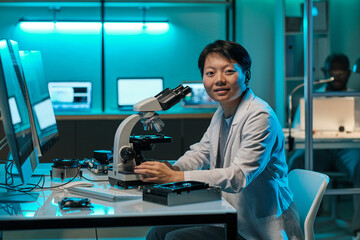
(79, 138)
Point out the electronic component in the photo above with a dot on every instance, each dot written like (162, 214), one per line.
(178, 193)
(73, 202)
(65, 168)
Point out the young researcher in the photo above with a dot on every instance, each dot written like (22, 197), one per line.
(242, 151)
(346, 160)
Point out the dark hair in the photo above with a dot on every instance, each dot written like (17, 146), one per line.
(229, 50)
(337, 58)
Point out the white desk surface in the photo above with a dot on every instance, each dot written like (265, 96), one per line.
(325, 139)
(45, 213)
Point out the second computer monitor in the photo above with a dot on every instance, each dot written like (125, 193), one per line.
(133, 90)
(42, 117)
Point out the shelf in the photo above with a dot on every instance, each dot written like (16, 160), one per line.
(295, 78)
(114, 3)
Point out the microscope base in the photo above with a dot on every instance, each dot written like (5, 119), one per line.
(126, 180)
(125, 184)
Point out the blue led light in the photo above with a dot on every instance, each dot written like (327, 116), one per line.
(136, 27)
(78, 26)
(40, 27)
(94, 27)
(315, 11)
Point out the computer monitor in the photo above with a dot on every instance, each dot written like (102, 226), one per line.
(132, 90)
(14, 111)
(198, 98)
(69, 96)
(42, 116)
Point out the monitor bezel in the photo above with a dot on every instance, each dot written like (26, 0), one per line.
(51, 139)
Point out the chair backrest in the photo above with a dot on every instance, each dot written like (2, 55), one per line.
(308, 188)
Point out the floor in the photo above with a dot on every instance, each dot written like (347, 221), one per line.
(328, 228)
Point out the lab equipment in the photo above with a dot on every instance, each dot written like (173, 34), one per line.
(130, 90)
(65, 168)
(14, 111)
(103, 193)
(124, 153)
(178, 193)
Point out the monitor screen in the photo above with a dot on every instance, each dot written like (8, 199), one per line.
(14, 111)
(42, 116)
(133, 90)
(198, 98)
(70, 95)
(325, 118)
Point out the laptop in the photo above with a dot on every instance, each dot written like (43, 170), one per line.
(330, 113)
(133, 90)
(198, 98)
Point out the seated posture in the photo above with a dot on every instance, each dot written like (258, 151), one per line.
(344, 160)
(242, 152)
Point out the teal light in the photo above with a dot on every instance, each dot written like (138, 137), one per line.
(40, 27)
(78, 26)
(315, 11)
(94, 27)
(137, 27)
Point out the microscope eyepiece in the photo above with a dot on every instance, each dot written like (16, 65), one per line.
(169, 98)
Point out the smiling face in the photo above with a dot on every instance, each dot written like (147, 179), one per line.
(224, 80)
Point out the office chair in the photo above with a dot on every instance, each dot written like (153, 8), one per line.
(308, 188)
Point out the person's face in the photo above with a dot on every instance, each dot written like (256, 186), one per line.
(224, 80)
(340, 74)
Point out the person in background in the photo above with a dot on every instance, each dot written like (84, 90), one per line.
(344, 160)
(242, 152)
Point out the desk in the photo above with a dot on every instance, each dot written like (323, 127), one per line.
(46, 214)
(325, 140)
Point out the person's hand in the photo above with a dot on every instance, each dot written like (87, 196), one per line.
(158, 172)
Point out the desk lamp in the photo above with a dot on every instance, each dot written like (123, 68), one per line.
(290, 138)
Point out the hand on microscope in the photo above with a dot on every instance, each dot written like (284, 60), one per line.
(159, 172)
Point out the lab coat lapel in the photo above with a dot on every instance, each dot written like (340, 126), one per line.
(215, 134)
(239, 114)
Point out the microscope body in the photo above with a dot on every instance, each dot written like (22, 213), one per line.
(124, 156)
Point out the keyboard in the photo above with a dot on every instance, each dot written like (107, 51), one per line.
(104, 193)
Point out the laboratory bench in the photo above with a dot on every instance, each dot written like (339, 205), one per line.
(45, 212)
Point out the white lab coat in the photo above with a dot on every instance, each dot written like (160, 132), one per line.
(254, 176)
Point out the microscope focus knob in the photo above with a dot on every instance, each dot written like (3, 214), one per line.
(127, 153)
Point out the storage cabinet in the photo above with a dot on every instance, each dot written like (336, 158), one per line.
(293, 49)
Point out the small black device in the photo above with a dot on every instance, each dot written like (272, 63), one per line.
(65, 168)
(73, 202)
(179, 193)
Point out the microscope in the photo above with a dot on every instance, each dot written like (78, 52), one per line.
(127, 148)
